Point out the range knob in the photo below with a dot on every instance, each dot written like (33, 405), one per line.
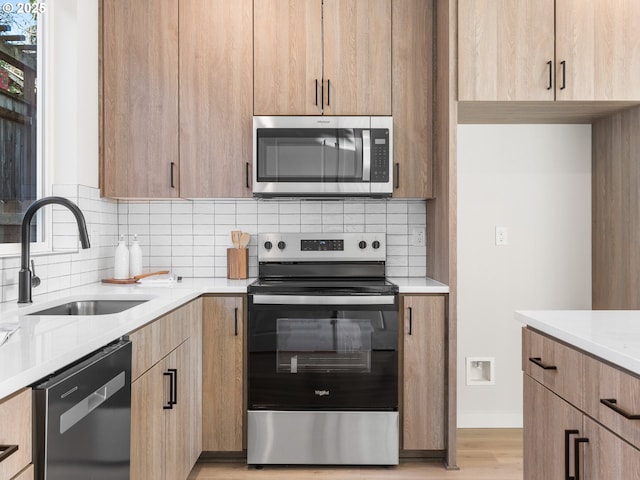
(281, 245)
(375, 244)
(268, 245)
(362, 244)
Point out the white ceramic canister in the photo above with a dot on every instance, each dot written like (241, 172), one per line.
(135, 258)
(121, 266)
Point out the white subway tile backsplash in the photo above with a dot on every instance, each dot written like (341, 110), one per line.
(191, 237)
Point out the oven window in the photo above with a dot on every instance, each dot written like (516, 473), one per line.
(309, 155)
(323, 345)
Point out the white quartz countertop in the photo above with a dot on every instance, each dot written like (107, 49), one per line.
(613, 335)
(46, 343)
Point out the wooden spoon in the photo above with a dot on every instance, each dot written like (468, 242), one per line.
(244, 239)
(235, 238)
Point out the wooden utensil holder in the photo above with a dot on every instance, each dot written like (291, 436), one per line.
(237, 263)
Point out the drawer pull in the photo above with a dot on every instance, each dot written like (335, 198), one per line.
(611, 403)
(7, 450)
(538, 361)
(567, 453)
(576, 455)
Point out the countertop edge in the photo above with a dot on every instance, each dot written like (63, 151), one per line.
(552, 325)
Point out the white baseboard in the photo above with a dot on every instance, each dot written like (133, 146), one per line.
(489, 420)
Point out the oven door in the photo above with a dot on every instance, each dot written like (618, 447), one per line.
(323, 352)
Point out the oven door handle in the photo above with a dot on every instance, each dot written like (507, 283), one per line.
(324, 299)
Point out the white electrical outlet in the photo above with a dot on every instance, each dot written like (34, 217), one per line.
(417, 237)
(502, 236)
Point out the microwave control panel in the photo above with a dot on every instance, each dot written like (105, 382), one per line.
(380, 155)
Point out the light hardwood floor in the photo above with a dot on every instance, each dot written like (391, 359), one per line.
(482, 455)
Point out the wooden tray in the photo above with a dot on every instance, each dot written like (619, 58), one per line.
(125, 281)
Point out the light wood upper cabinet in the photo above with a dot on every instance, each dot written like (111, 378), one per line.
(287, 57)
(216, 82)
(422, 340)
(412, 90)
(293, 77)
(531, 50)
(177, 80)
(598, 40)
(140, 99)
(504, 49)
(223, 374)
(357, 57)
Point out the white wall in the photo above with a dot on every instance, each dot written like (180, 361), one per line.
(72, 94)
(536, 181)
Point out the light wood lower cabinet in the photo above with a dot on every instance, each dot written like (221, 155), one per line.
(166, 399)
(557, 431)
(223, 403)
(422, 383)
(16, 431)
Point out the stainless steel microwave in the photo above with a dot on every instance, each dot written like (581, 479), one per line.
(322, 156)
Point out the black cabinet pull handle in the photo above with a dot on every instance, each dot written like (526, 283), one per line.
(397, 172)
(246, 174)
(564, 74)
(538, 361)
(410, 320)
(236, 321)
(550, 84)
(6, 451)
(567, 448)
(576, 455)
(174, 399)
(328, 93)
(169, 405)
(322, 94)
(612, 404)
(316, 92)
(172, 182)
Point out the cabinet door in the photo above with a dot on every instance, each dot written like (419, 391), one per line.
(606, 456)
(140, 99)
(504, 47)
(598, 41)
(216, 75)
(287, 56)
(223, 404)
(357, 57)
(546, 419)
(148, 396)
(423, 354)
(412, 88)
(177, 419)
(16, 421)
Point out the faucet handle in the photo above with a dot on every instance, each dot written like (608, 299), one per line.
(35, 280)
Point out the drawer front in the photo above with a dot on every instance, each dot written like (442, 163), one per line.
(15, 430)
(554, 365)
(620, 392)
(27, 474)
(156, 340)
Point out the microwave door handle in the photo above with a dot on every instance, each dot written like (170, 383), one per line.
(366, 155)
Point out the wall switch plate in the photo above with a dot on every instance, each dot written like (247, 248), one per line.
(502, 236)
(418, 237)
(481, 370)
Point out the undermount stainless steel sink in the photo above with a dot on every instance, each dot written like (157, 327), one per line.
(90, 307)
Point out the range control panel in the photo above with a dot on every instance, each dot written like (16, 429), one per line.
(294, 247)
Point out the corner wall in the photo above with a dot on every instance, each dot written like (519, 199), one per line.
(536, 181)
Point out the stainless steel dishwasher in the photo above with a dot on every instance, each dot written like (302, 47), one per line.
(83, 418)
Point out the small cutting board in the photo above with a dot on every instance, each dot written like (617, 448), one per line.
(124, 281)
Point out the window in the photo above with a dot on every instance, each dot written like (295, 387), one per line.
(21, 165)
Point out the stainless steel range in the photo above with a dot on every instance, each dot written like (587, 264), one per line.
(322, 352)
